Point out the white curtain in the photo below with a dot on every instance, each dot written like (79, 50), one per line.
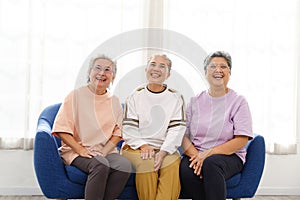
(43, 45)
(262, 37)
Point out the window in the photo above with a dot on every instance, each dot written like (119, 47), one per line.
(44, 46)
(261, 37)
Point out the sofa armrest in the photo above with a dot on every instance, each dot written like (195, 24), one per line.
(48, 164)
(253, 168)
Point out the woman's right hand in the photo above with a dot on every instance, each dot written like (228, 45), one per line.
(84, 152)
(147, 152)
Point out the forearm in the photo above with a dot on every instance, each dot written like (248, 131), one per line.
(69, 140)
(188, 147)
(110, 145)
(229, 147)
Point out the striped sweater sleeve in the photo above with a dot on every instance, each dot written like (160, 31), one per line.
(130, 125)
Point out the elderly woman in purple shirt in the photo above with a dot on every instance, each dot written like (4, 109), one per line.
(219, 126)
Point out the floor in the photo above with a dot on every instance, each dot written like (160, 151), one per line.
(255, 198)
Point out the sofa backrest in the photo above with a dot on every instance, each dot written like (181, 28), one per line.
(48, 115)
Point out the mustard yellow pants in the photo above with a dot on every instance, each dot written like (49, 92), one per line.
(150, 185)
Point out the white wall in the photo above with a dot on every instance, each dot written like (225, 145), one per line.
(17, 173)
(281, 175)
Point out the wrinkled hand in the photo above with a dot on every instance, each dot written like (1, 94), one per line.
(84, 152)
(197, 161)
(158, 160)
(147, 152)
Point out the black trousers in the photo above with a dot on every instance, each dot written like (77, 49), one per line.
(107, 176)
(215, 171)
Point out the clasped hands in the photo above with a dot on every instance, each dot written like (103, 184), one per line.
(197, 161)
(147, 152)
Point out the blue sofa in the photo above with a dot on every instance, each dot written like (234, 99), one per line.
(60, 181)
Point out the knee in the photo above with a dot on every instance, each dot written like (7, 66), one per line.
(210, 165)
(99, 164)
(125, 165)
(144, 166)
(119, 163)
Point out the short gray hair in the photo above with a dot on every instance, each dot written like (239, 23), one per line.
(165, 57)
(94, 59)
(222, 54)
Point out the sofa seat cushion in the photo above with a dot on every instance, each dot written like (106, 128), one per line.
(233, 181)
(76, 175)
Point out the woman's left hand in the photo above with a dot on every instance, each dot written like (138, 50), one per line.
(158, 159)
(197, 161)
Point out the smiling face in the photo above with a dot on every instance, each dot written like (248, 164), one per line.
(218, 73)
(157, 70)
(101, 74)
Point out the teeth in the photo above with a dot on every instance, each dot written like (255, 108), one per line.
(155, 75)
(100, 79)
(218, 76)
